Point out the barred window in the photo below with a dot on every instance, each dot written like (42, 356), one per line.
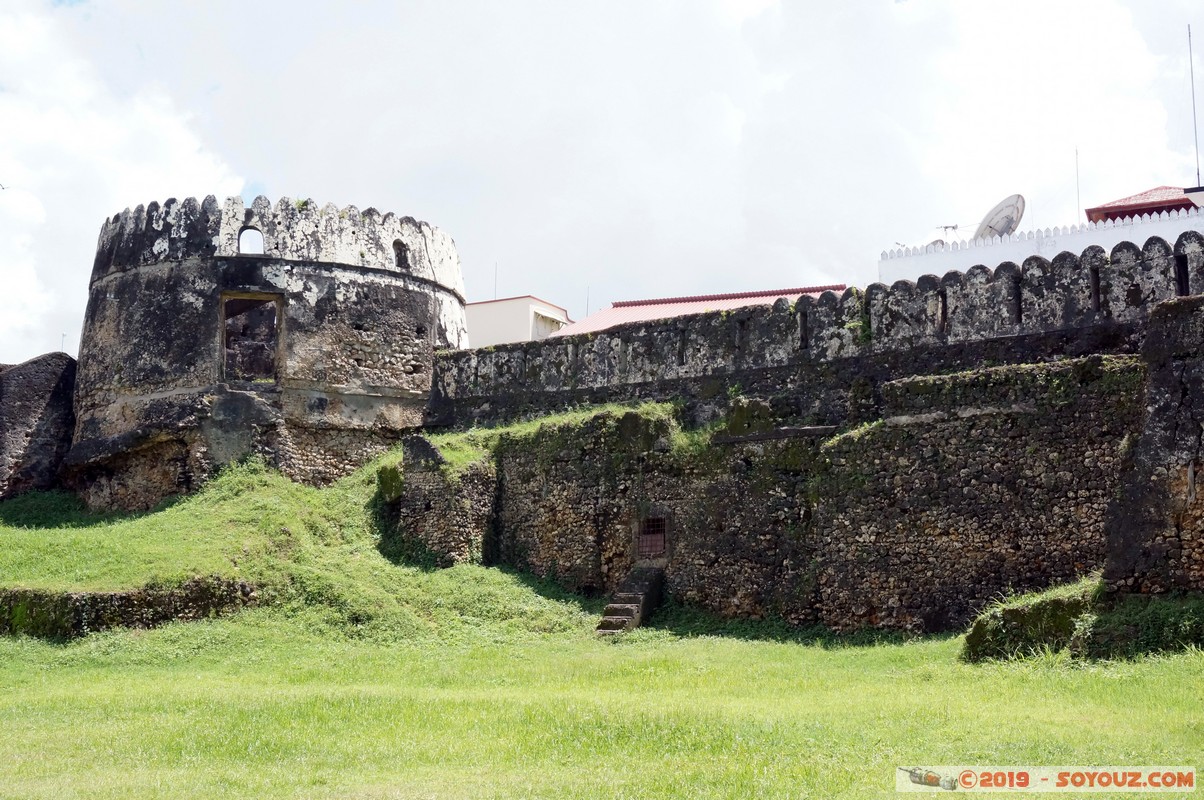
(652, 537)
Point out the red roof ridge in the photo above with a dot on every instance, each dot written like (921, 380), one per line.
(835, 287)
(1156, 195)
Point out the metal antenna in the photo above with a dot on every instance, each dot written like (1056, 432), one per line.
(1194, 129)
(1078, 198)
(954, 228)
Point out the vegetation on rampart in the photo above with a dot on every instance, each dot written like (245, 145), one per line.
(460, 449)
(1081, 620)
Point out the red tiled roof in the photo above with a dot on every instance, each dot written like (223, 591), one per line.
(1160, 198)
(668, 307)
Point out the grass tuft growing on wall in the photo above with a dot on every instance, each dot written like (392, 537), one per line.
(1079, 620)
(462, 448)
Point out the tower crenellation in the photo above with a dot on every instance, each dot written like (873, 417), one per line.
(299, 230)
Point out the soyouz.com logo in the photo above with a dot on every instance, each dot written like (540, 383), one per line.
(1046, 779)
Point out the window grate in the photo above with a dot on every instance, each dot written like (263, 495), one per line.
(652, 537)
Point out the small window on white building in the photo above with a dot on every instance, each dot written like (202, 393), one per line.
(543, 326)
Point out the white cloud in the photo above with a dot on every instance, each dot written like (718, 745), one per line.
(1024, 88)
(74, 152)
(735, 12)
(638, 148)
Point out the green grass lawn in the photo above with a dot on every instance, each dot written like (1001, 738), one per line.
(273, 703)
(367, 678)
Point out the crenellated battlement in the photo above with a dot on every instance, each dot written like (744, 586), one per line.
(1072, 293)
(295, 230)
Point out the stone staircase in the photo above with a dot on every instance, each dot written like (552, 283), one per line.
(636, 598)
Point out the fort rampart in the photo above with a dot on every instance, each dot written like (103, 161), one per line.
(1005, 430)
(824, 359)
(970, 485)
(301, 333)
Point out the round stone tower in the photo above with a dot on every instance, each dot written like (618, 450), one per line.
(302, 334)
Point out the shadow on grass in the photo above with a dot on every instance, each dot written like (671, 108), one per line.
(686, 621)
(59, 509)
(549, 589)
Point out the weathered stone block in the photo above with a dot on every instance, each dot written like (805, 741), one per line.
(36, 422)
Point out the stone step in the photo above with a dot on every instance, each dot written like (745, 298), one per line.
(637, 595)
(622, 610)
(614, 623)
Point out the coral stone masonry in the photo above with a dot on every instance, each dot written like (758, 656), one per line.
(892, 457)
(313, 350)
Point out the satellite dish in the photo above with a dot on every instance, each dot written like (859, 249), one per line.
(1002, 219)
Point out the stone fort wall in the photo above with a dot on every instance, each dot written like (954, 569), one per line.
(1020, 427)
(36, 419)
(313, 349)
(971, 485)
(831, 354)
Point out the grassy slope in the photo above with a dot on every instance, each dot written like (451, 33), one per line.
(372, 679)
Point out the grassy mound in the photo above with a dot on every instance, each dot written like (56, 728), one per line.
(1079, 619)
(300, 547)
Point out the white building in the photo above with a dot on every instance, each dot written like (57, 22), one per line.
(513, 319)
(1164, 212)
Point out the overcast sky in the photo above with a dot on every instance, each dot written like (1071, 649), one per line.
(624, 149)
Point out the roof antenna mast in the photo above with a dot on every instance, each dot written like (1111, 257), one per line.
(1194, 129)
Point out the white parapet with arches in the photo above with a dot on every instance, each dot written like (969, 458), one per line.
(909, 263)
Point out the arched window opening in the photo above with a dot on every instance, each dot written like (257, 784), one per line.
(250, 242)
(1182, 276)
(401, 254)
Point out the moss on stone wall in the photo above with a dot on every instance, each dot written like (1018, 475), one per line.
(66, 615)
(976, 483)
